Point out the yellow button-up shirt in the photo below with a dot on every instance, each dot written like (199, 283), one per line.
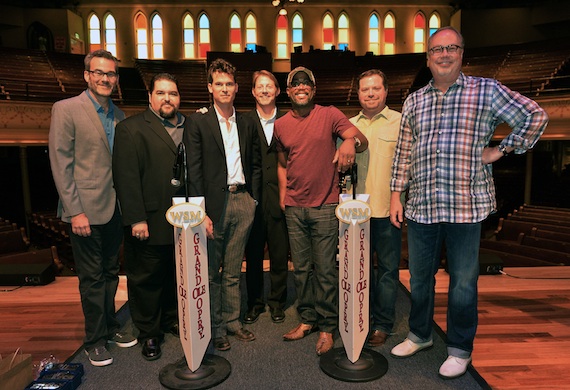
(375, 163)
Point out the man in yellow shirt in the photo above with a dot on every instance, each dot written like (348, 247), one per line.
(381, 127)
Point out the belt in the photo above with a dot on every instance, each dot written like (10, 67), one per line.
(236, 188)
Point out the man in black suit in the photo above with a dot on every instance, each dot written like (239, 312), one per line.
(145, 149)
(269, 225)
(224, 166)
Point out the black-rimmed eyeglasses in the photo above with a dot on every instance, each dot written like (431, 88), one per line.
(450, 49)
(99, 74)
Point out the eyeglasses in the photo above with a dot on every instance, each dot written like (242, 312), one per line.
(99, 74)
(296, 83)
(450, 49)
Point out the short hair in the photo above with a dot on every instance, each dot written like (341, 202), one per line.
(101, 54)
(162, 76)
(372, 72)
(444, 29)
(258, 73)
(223, 66)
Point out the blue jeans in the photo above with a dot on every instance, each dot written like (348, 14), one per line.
(313, 237)
(462, 245)
(386, 241)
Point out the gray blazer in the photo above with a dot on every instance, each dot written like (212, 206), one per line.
(80, 159)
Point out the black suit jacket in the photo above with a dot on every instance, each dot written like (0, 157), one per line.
(270, 186)
(143, 157)
(207, 169)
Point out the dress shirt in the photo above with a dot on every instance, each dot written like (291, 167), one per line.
(375, 163)
(442, 137)
(231, 147)
(268, 125)
(107, 119)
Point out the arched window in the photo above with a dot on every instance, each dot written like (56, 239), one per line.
(343, 35)
(250, 32)
(434, 23)
(141, 34)
(235, 33)
(282, 47)
(297, 32)
(328, 32)
(94, 33)
(157, 37)
(374, 34)
(419, 33)
(389, 34)
(110, 34)
(188, 36)
(204, 43)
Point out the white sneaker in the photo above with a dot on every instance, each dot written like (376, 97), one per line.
(453, 367)
(408, 348)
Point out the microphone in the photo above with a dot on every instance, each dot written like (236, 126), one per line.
(178, 164)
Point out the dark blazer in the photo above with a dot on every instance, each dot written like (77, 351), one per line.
(207, 170)
(143, 157)
(269, 187)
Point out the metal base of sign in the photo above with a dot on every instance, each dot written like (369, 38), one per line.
(371, 365)
(213, 371)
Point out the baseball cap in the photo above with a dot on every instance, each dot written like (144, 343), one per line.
(297, 70)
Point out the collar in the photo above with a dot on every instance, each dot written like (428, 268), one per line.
(460, 82)
(383, 113)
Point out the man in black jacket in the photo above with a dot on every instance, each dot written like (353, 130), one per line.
(269, 225)
(224, 166)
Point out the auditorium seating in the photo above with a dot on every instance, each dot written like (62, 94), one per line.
(534, 69)
(532, 236)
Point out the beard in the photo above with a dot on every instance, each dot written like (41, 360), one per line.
(167, 114)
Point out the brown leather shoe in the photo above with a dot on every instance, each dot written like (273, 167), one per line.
(222, 343)
(242, 335)
(377, 338)
(325, 343)
(299, 332)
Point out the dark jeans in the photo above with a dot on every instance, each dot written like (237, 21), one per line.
(462, 245)
(386, 241)
(97, 265)
(313, 236)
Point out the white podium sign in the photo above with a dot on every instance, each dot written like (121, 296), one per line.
(192, 277)
(354, 265)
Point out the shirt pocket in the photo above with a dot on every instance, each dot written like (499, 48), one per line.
(385, 144)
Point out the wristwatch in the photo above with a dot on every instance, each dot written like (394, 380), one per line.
(357, 142)
(503, 149)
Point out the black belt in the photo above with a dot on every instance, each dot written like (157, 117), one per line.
(236, 188)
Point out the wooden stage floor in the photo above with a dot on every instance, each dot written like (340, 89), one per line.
(523, 339)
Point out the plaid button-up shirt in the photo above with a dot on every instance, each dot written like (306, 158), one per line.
(442, 136)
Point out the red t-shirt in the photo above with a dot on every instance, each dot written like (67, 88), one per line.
(310, 142)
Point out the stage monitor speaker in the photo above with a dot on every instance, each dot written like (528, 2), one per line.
(32, 268)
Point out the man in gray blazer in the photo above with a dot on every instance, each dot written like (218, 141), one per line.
(80, 149)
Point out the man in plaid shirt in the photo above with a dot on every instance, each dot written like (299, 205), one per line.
(443, 159)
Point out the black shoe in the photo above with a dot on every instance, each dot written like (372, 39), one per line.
(174, 330)
(222, 343)
(151, 349)
(253, 314)
(277, 314)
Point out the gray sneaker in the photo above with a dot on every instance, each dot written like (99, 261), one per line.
(123, 340)
(99, 356)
